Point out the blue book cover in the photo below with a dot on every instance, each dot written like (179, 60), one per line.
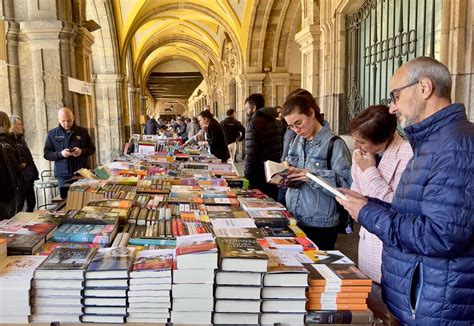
(92, 233)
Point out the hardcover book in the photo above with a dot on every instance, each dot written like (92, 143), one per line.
(241, 254)
(22, 244)
(152, 263)
(111, 263)
(337, 274)
(30, 224)
(16, 272)
(194, 243)
(93, 233)
(47, 248)
(66, 263)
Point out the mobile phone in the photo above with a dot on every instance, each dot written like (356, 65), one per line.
(70, 150)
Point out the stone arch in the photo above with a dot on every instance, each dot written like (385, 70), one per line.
(175, 6)
(173, 39)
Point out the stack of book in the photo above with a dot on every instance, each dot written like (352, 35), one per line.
(193, 279)
(105, 294)
(337, 287)
(58, 284)
(150, 285)
(16, 273)
(284, 287)
(238, 293)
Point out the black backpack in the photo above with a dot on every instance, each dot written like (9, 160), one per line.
(346, 223)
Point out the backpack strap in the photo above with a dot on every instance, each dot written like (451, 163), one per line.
(330, 147)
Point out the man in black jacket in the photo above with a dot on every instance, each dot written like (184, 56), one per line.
(233, 131)
(68, 145)
(151, 126)
(263, 141)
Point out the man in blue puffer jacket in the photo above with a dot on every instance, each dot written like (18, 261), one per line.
(428, 229)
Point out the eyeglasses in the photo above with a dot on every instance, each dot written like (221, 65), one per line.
(297, 125)
(395, 94)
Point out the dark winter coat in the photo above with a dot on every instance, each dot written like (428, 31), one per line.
(428, 230)
(151, 127)
(10, 172)
(263, 141)
(233, 130)
(58, 139)
(29, 170)
(217, 141)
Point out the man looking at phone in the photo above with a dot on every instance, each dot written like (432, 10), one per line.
(68, 145)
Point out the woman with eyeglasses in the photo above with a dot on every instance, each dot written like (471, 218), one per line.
(314, 207)
(379, 159)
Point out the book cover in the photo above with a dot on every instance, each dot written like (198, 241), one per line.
(238, 232)
(233, 223)
(337, 274)
(30, 224)
(68, 259)
(22, 244)
(240, 248)
(195, 243)
(339, 317)
(153, 260)
(89, 217)
(280, 261)
(93, 233)
(47, 248)
(112, 259)
(17, 271)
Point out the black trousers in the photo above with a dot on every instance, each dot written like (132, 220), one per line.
(28, 196)
(324, 238)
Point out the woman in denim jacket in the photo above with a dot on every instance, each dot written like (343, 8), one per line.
(314, 207)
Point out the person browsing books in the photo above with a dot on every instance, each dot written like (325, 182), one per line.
(379, 159)
(428, 229)
(312, 206)
(214, 135)
(68, 145)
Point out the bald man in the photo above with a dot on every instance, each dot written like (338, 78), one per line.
(68, 145)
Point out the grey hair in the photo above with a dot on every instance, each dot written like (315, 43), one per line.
(14, 118)
(431, 68)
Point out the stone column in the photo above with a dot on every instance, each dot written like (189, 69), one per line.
(109, 102)
(13, 69)
(309, 39)
(46, 58)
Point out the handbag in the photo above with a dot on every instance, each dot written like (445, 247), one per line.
(346, 223)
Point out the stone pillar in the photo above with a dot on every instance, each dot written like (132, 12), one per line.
(309, 39)
(108, 98)
(13, 69)
(46, 58)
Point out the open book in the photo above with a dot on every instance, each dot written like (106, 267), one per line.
(326, 185)
(277, 173)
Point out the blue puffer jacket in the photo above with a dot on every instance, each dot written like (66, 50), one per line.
(428, 230)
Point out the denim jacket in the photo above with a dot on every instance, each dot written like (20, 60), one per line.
(310, 204)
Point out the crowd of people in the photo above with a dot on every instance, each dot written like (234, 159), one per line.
(413, 197)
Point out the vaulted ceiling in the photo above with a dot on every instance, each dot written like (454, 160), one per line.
(200, 32)
(157, 31)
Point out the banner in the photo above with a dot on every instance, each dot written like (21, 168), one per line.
(79, 86)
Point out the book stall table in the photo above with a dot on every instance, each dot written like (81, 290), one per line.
(171, 237)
